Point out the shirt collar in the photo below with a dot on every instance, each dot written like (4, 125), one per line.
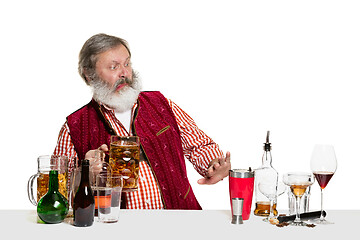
(105, 107)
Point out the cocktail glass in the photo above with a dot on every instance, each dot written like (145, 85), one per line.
(298, 183)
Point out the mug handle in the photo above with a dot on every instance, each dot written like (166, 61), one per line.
(30, 189)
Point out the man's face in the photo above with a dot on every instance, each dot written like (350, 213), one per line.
(114, 67)
(114, 83)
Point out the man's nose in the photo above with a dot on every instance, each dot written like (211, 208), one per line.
(124, 73)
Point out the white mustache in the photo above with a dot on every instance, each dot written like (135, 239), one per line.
(122, 81)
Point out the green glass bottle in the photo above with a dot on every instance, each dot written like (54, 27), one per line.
(53, 206)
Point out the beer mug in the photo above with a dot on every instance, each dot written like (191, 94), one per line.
(45, 164)
(124, 160)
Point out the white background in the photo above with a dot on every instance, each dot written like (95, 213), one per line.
(239, 68)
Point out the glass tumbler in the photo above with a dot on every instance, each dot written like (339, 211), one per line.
(108, 196)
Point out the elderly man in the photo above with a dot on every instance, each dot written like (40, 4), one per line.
(119, 107)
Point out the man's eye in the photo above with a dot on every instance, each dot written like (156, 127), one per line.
(113, 67)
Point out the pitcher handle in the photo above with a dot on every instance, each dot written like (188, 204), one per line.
(30, 189)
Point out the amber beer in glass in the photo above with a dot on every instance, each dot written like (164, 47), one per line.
(124, 160)
(43, 184)
(46, 163)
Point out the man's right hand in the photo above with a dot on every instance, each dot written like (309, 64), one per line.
(96, 157)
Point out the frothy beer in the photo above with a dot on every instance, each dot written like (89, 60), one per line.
(124, 160)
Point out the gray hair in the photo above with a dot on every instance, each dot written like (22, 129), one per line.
(95, 45)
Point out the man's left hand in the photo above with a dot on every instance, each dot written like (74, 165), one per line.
(218, 169)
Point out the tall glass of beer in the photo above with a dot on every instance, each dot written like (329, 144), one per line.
(124, 160)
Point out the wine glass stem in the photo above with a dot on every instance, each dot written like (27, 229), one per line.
(271, 214)
(322, 218)
(297, 219)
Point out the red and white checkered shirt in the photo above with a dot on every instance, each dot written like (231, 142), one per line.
(198, 148)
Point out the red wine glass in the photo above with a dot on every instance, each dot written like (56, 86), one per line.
(323, 165)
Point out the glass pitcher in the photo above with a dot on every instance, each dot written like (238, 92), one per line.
(45, 164)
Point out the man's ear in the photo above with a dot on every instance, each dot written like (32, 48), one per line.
(86, 76)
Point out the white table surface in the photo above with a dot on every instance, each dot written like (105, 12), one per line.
(176, 224)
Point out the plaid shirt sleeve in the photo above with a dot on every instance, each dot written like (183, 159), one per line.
(198, 147)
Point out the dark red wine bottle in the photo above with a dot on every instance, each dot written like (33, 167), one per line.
(84, 203)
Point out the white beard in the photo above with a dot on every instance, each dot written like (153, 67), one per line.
(122, 100)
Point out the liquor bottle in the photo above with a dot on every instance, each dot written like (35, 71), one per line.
(84, 203)
(263, 174)
(53, 206)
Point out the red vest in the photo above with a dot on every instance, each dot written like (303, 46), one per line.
(155, 124)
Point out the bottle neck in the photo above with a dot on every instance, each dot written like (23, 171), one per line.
(266, 159)
(84, 174)
(53, 181)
